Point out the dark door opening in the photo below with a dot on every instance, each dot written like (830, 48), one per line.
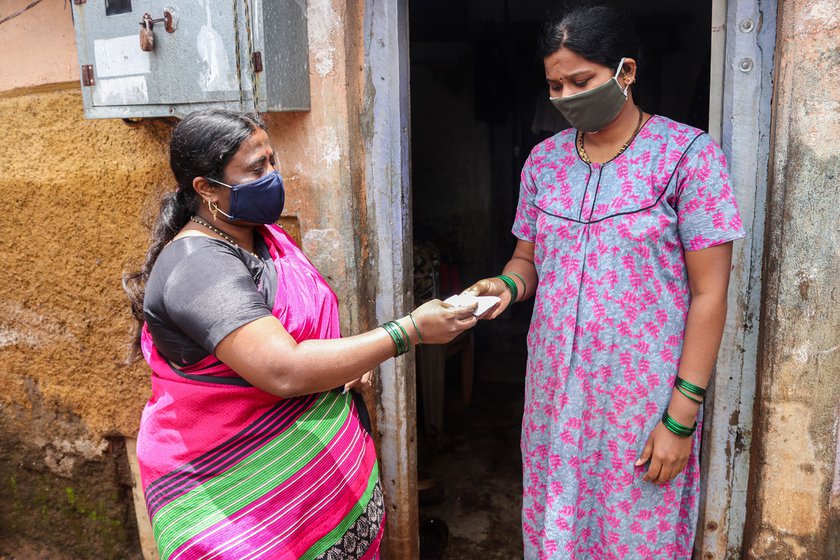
(479, 104)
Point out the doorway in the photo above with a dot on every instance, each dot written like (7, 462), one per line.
(478, 106)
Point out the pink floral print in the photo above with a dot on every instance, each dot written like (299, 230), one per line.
(606, 336)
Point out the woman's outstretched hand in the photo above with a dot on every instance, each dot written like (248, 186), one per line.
(491, 287)
(439, 322)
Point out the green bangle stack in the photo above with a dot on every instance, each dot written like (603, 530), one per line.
(511, 286)
(399, 336)
(682, 386)
(524, 285)
(686, 395)
(675, 427)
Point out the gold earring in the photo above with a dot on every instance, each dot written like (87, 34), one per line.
(213, 208)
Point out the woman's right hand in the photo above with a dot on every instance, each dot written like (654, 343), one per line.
(440, 322)
(491, 287)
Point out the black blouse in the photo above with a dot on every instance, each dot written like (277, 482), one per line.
(200, 290)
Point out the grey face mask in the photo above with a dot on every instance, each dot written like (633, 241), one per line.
(594, 109)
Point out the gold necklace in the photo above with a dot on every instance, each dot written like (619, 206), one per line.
(585, 157)
(226, 237)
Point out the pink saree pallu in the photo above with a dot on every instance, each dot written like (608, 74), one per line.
(232, 472)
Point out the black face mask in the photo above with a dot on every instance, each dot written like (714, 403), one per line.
(260, 201)
(594, 109)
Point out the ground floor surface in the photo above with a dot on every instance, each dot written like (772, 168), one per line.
(475, 460)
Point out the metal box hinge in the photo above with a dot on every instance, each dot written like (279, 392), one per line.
(87, 75)
(257, 59)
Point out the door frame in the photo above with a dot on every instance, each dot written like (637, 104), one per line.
(741, 83)
(386, 131)
(741, 88)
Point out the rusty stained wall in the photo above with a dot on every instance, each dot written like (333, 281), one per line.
(794, 503)
(76, 194)
(320, 155)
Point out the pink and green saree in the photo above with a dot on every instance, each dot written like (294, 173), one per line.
(232, 472)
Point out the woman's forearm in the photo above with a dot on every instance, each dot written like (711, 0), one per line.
(276, 364)
(267, 356)
(708, 279)
(703, 332)
(332, 363)
(521, 263)
(526, 281)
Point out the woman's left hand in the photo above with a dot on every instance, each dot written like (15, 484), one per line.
(360, 384)
(668, 455)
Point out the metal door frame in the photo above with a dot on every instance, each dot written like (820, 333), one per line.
(742, 65)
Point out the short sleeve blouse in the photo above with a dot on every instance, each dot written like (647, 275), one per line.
(200, 290)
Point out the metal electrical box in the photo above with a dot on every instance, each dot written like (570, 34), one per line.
(155, 58)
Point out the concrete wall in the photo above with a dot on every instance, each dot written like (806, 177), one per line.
(794, 502)
(76, 196)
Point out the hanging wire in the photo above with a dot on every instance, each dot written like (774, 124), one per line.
(17, 13)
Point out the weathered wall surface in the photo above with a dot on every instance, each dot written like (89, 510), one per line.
(795, 481)
(76, 196)
(73, 192)
(318, 155)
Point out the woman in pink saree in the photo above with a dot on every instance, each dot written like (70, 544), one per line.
(251, 445)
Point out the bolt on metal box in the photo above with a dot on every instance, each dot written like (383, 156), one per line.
(157, 58)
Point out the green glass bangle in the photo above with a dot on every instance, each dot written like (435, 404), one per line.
(524, 285)
(675, 427)
(397, 337)
(507, 282)
(404, 346)
(686, 395)
(690, 387)
(511, 286)
(419, 336)
(405, 335)
(389, 329)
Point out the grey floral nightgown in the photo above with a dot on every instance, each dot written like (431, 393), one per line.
(607, 333)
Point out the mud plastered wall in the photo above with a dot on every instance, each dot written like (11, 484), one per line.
(74, 192)
(78, 197)
(795, 478)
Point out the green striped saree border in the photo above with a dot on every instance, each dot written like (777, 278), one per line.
(187, 516)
